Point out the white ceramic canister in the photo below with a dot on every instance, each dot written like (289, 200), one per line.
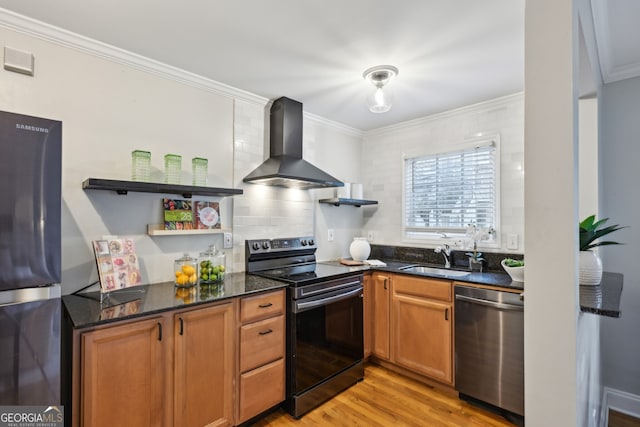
(360, 249)
(357, 191)
(344, 192)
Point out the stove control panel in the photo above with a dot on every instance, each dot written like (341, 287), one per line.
(293, 244)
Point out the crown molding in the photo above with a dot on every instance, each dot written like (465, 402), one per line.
(38, 29)
(493, 103)
(611, 72)
(338, 127)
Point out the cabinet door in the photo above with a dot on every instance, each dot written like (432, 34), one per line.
(203, 369)
(381, 315)
(367, 322)
(422, 331)
(123, 375)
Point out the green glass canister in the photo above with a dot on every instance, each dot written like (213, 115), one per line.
(141, 166)
(199, 168)
(172, 168)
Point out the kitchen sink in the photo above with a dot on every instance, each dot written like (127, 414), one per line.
(421, 269)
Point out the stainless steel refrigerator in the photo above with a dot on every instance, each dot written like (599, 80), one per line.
(30, 259)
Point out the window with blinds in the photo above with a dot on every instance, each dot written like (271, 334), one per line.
(446, 192)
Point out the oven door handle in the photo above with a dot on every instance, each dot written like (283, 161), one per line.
(308, 305)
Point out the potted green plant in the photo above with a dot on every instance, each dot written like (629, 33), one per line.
(590, 264)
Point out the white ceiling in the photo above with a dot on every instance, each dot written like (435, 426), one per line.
(450, 53)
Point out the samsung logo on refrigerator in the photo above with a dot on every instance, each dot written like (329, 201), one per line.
(31, 128)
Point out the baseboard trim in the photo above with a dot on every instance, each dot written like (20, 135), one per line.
(620, 401)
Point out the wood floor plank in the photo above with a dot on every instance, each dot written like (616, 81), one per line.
(618, 419)
(386, 398)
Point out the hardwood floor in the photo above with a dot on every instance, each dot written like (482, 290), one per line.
(618, 419)
(385, 398)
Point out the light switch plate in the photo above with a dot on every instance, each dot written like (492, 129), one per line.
(228, 241)
(371, 235)
(512, 241)
(330, 235)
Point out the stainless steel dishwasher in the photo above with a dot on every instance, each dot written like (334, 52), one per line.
(489, 347)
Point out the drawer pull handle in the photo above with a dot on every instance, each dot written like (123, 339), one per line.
(268, 331)
(446, 314)
(181, 326)
(159, 331)
(385, 283)
(265, 305)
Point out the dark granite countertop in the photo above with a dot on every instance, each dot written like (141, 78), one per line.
(492, 278)
(86, 310)
(603, 299)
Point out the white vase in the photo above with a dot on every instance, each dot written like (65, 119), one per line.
(359, 248)
(590, 268)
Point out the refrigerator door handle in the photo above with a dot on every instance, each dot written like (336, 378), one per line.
(19, 296)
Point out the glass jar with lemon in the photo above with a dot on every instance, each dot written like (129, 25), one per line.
(186, 271)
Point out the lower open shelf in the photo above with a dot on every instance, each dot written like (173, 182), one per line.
(158, 230)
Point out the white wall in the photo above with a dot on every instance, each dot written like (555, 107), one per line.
(551, 155)
(383, 157)
(112, 105)
(109, 109)
(619, 160)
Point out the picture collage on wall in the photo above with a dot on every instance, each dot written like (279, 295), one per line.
(117, 262)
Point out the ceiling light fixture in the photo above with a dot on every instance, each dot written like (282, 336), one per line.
(380, 101)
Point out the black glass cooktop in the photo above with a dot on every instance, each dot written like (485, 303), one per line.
(306, 274)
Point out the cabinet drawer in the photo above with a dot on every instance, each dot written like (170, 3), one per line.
(261, 306)
(261, 389)
(261, 342)
(423, 287)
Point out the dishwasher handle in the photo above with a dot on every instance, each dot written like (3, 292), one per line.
(494, 304)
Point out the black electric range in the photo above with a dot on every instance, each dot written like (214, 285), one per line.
(291, 260)
(324, 337)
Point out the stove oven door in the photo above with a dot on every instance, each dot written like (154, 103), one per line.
(325, 345)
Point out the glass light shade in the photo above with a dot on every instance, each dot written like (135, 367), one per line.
(380, 100)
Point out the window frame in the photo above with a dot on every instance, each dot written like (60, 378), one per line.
(455, 240)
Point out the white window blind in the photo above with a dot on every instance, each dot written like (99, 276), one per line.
(446, 192)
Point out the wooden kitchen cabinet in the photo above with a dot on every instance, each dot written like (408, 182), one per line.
(203, 366)
(381, 315)
(124, 375)
(422, 322)
(174, 369)
(261, 373)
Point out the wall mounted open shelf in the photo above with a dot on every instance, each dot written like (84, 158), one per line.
(350, 202)
(186, 191)
(158, 230)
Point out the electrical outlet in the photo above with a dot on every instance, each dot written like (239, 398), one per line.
(228, 241)
(330, 235)
(512, 241)
(371, 235)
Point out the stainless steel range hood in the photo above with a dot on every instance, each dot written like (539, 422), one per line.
(285, 167)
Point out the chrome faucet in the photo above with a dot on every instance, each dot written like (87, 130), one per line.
(446, 253)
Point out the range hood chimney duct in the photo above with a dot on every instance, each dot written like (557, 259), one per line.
(285, 166)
